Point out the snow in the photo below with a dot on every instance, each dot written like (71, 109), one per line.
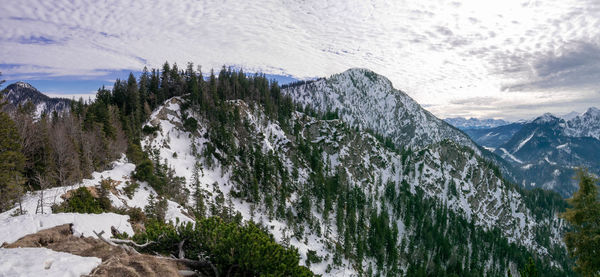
(548, 161)
(545, 118)
(562, 146)
(524, 142)
(527, 166)
(506, 153)
(83, 224)
(491, 149)
(44, 262)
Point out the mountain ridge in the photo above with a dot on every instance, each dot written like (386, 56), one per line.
(20, 93)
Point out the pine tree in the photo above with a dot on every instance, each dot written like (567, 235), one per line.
(583, 242)
(12, 162)
(530, 270)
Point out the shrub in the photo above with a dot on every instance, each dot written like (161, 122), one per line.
(148, 130)
(312, 257)
(81, 201)
(245, 249)
(136, 215)
(190, 124)
(144, 171)
(130, 188)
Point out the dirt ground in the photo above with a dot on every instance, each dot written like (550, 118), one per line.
(115, 260)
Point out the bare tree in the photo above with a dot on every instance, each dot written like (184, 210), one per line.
(44, 184)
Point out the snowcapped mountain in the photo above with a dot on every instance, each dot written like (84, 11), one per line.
(367, 100)
(333, 191)
(548, 149)
(585, 125)
(475, 123)
(569, 116)
(20, 93)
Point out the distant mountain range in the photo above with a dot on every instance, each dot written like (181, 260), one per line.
(20, 93)
(474, 123)
(546, 150)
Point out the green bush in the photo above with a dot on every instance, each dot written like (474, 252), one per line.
(81, 201)
(244, 249)
(136, 215)
(148, 130)
(130, 188)
(312, 257)
(144, 171)
(190, 124)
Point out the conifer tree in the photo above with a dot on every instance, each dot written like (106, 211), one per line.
(583, 242)
(11, 163)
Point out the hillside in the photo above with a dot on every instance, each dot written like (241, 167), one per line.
(315, 183)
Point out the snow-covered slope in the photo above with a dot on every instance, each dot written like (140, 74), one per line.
(37, 211)
(444, 172)
(368, 100)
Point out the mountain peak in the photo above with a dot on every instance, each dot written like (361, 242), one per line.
(546, 118)
(593, 111)
(24, 85)
(364, 77)
(368, 100)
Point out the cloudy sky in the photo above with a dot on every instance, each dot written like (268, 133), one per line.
(507, 59)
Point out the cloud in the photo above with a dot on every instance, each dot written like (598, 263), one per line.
(434, 50)
(572, 66)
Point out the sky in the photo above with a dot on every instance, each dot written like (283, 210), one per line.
(509, 59)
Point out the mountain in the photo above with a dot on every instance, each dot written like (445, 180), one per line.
(20, 93)
(548, 149)
(491, 138)
(369, 101)
(585, 125)
(351, 204)
(569, 116)
(474, 123)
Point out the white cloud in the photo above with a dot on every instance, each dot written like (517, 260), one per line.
(436, 51)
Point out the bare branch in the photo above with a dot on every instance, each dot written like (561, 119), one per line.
(127, 248)
(180, 246)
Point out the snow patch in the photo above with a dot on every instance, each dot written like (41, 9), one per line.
(14, 228)
(44, 262)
